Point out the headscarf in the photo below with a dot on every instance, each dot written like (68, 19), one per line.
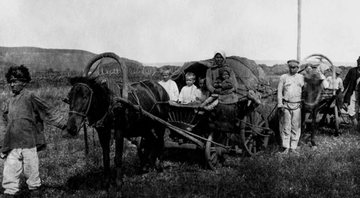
(222, 54)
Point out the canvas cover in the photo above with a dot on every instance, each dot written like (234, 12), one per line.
(248, 73)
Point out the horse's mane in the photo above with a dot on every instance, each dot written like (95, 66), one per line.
(312, 76)
(104, 93)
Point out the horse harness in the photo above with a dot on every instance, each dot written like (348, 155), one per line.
(85, 114)
(89, 103)
(100, 122)
(297, 106)
(156, 103)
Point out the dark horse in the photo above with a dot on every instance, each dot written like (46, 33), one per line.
(91, 99)
(313, 102)
(311, 96)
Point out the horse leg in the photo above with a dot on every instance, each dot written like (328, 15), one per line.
(104, 137)
(313, 127)
(145, 151)
(159, 147)
(119, 144)
(151, 148)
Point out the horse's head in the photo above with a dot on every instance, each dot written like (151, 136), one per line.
(87, 99)
(312, 89)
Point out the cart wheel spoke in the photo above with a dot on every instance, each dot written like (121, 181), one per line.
(252, 142)
(211, 153)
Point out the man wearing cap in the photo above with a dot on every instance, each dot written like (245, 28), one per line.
(289, 100)
(338, 84)
(24, 114)
(350, 97)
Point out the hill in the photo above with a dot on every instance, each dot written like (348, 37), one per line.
(41, 59)
(56, 63)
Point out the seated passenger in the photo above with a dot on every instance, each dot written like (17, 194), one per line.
(213, 73)
(189, 93)
(169, 85)
(223, 85)
(205, 93)
(338, 81)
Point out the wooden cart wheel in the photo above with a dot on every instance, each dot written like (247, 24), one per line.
(254, 133)
(212, 155)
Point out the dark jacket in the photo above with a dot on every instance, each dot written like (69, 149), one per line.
(350, 83)
(24, 116)
(212, 75)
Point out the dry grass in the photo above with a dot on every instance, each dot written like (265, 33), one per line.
(330, 170)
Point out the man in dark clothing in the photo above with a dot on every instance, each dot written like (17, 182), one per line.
(24, 114)
(350, 97)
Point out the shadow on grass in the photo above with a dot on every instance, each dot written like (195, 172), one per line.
(188, 156)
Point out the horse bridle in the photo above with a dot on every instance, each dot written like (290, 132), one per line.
(89, 103)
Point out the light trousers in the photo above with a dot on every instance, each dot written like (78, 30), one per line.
(21, 161)
(353, 107)
(290, 128)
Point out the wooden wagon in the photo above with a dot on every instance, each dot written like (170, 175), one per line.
(189, 125)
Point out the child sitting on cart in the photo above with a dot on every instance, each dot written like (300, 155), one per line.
(223, 89)
(190, 94)
(205, 93)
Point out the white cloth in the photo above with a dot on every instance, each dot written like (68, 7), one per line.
(189, 94)
(171, 88)
(324, 83)
(338, 83)
(353, 107)
(18, 161)
(290, 128)
(290, 88)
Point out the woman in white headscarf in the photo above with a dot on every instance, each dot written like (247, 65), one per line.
(213, 73)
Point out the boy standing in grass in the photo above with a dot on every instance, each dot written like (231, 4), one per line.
(24, 115)
(289, 100)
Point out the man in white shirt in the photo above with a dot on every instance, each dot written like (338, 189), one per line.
(169, 85)
(289, 100)
(338, 81)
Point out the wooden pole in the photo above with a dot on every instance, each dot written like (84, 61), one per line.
(299, 32)
(86, 139)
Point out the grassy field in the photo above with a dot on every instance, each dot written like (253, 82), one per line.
(330, 170)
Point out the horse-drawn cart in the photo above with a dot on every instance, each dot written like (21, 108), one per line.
(193, 127)
(228, 129)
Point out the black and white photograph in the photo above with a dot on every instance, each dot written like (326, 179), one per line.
(179, 98)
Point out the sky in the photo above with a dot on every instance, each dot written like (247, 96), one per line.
(154, 31)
